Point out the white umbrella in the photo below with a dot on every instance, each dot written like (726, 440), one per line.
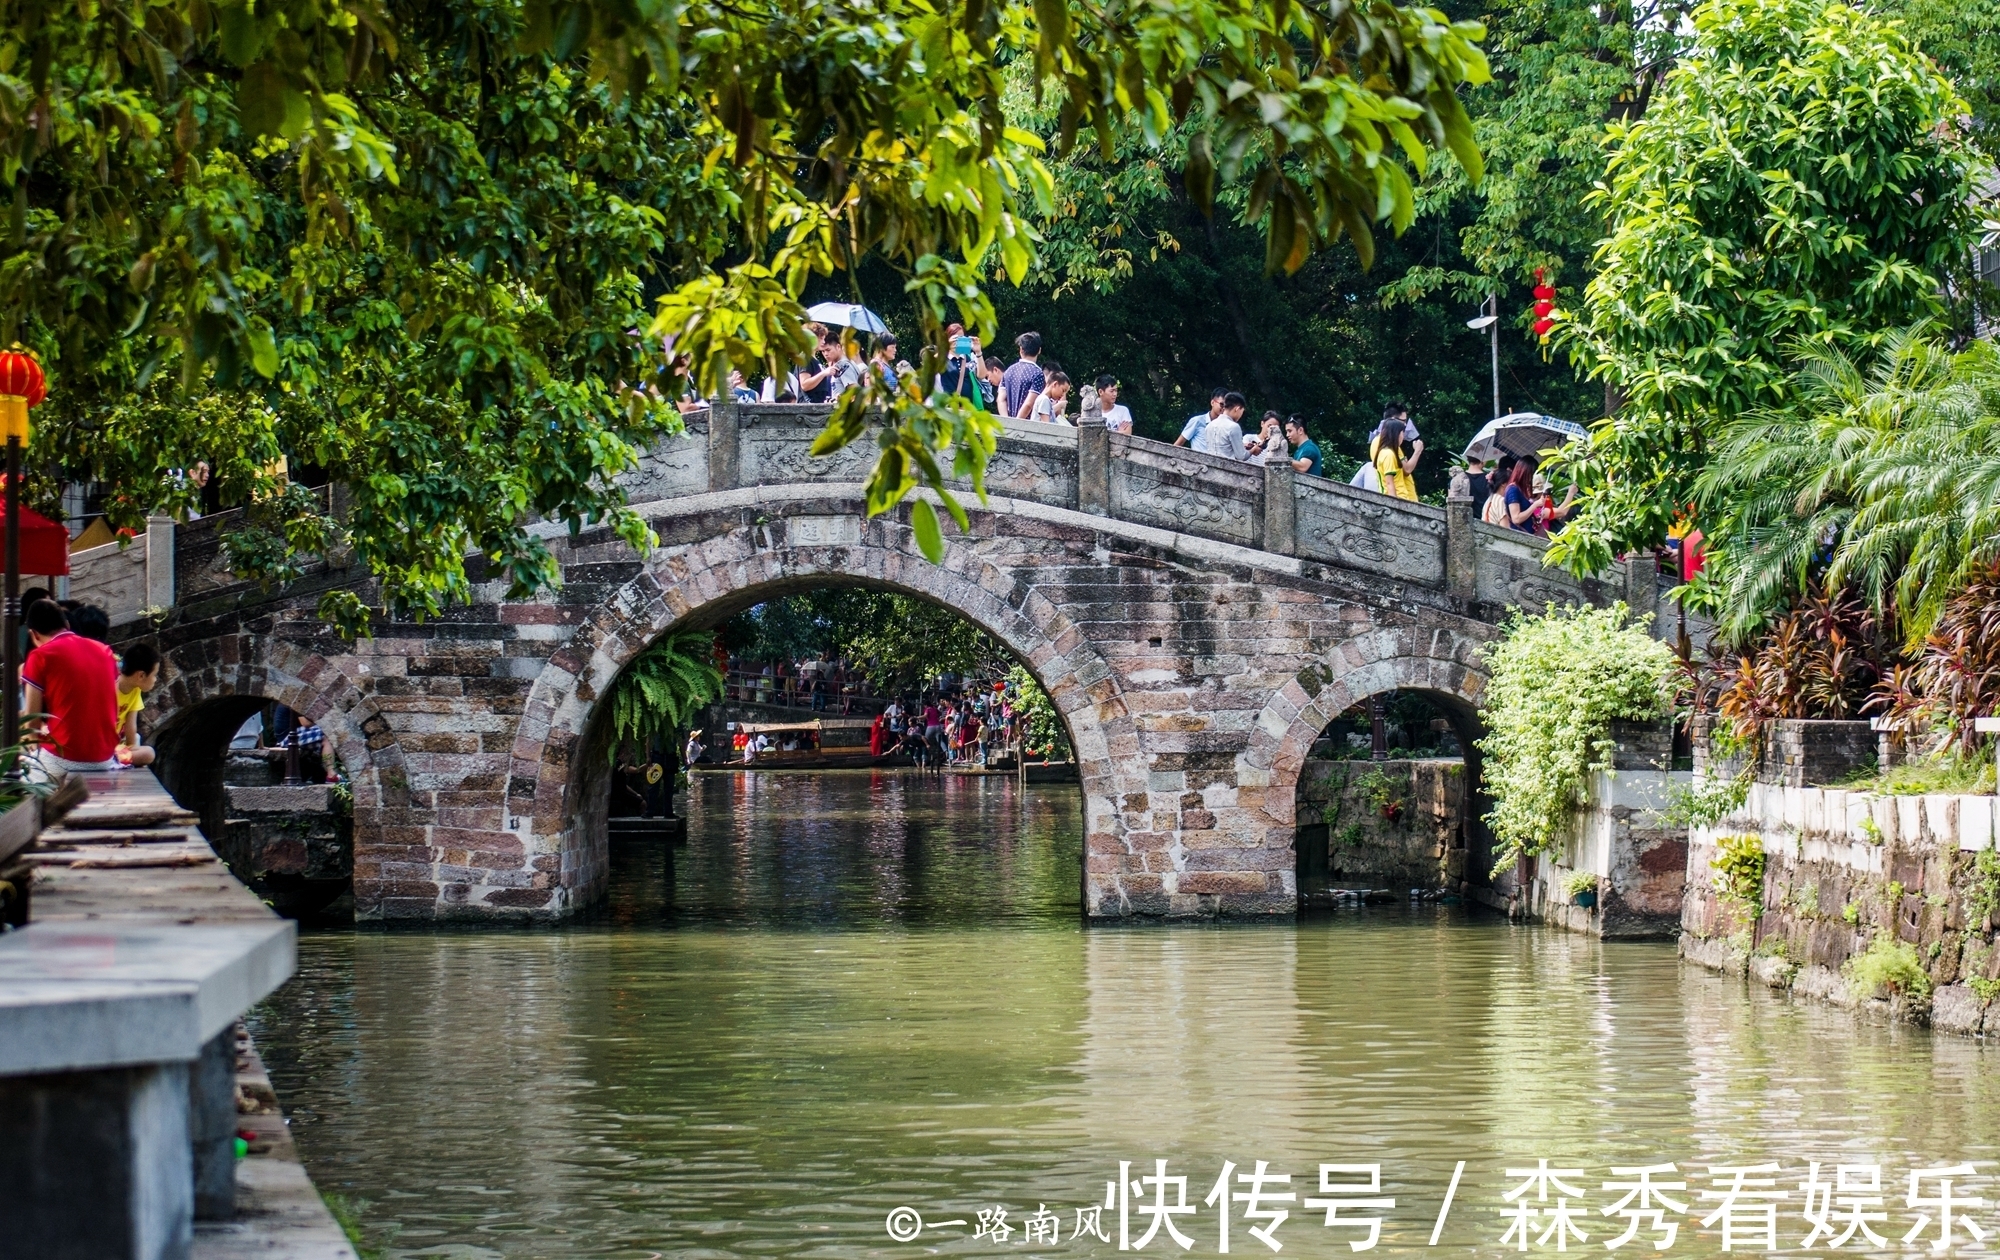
(1519, 434)
(847, 315)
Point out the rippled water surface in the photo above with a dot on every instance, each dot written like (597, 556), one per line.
(867, 992)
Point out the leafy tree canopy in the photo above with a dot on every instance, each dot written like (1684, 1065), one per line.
(411, 243)
(898, 642)
(1800, 180)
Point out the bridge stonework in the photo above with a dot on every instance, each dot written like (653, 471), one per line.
(1197, 623)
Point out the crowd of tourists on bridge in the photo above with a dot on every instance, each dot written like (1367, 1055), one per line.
(1514, 494)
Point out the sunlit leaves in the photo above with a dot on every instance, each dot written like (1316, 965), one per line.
(1797, 182)
(889, 131)
(447, 327)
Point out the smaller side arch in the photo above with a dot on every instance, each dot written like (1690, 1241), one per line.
(1445, 664)
(212, 684)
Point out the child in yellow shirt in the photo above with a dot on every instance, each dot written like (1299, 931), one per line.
(138, 674)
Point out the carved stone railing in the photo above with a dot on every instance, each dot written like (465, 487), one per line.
(1142, 482)
(1122, 478)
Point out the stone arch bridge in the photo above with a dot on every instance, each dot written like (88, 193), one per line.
(1198, 622)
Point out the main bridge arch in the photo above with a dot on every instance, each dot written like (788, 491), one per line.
(1192, 683)
(552, 797)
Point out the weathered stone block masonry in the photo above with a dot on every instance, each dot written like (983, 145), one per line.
(1197, 621)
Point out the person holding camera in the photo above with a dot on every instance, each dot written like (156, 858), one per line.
(964, 360)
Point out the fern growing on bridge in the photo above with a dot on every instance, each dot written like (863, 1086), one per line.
(663, 687)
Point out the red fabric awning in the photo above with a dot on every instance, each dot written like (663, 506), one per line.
(44, 544)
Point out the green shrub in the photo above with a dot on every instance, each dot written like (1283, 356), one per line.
(661, 689)
(1948, 773)
(1887, 966)
(1042, 731)
(1708, 804)
(1984, 898)
(1983, 989)
(1557, 681)
(1739, 873)
(1383, 792)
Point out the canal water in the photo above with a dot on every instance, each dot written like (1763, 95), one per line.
(872, 992)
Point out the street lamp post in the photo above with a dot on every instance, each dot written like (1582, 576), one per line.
(1490, 322)
(22, 386)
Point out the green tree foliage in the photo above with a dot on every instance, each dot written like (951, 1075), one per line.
(441, 324)
(1042, 731)
(1883, 476)
(1556, 682)
(662, 687)
(1135, 278)
(898, 642)
(411, 241)
(1958, 35)
(1562, 70)
(1799, 180)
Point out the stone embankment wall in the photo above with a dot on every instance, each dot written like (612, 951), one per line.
(1636, 862)
(290, 845)
(1885, 905)
(1372, 825)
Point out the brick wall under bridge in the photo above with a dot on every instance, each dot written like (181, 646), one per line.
(1194, 668)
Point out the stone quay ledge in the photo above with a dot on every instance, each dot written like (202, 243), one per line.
(125, 1082)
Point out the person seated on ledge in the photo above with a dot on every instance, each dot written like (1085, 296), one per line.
(138, 674)
(74, 682)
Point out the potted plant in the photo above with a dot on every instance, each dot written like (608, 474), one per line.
(1581, 889)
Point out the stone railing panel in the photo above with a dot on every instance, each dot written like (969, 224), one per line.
(1511, 573)
(199, 566)
(675, 466)
(127, 578)
(776, 447)
(1364, 530)
(1189, 492)
(1031, 461)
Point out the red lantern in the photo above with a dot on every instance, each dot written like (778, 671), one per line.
(22, 386)
(1545, 306)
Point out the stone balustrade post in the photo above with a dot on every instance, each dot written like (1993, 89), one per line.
(1461, 548)
(160, 559)
(725, 448)
(1642, 587)
(1093, 457)
(1281, 532)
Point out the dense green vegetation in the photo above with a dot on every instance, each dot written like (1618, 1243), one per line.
(409, 243)
(1797, 185)
(1557, 681)
(660, 689)
(899, 643)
